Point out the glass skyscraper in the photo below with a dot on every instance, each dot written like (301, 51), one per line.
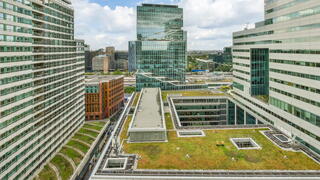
(161, 46)
(41, 83)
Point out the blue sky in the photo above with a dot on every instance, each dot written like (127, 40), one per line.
(209, 23)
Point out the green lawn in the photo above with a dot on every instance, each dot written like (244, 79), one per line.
(47, 174)
(124, 131)
(169, 123)
(74, 155)
(189, 93)
(86, 131)
(64, 167)
(204, 154)
(97, 123)
(136, 98)
(95, 127)
(82, 147)
(81, 137)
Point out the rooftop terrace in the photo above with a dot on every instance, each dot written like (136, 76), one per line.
(65, 162)
(149, 112)
(202, 153)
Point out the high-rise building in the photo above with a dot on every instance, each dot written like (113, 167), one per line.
(41, 83)
(161, 45)
(276, 68)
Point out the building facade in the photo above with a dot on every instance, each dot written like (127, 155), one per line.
(104, 96)
(41, 83)
(101, 63)
(276, 68)
(161, 46)
(132, 56)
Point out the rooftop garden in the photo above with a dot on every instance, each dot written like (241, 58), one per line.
(65, 162)
(206, 153)
(190, 93)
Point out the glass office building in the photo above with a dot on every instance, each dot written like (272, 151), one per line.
(161, 46)
(276, 69)
(41, 83)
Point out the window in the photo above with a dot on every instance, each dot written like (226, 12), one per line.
(9, 6)
(1, 27)
(1, 37)
(10, 38)
(9, 17)
(1, 4)
(1, 16)
(9, 28)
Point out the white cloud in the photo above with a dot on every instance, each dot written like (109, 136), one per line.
(209, 23)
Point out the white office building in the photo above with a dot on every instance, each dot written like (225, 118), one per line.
(41, 83)
(277, 69)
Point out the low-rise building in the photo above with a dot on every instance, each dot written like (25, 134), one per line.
(104, 96)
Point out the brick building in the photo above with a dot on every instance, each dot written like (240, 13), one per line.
(104, 96)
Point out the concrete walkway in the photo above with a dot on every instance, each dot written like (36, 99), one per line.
(74, 166)
(89, 129)
(86, 135)
(77, 150)
(82, 142)
(54, 168)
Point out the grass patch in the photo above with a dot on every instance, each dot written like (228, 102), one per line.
(189, 93)
(47, 174)
(90, 126)
(202, 153)
(81, 137)
(78, 145)
(64, 167)
(86, 131)
(74, 155)
(97, 123)
(124, 131)
(169, 123)
(136, 98)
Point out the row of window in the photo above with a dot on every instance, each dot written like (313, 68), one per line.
(16, 98)
(314, 90)
(295, 51)
(10, 28)
(16, 108)
(15, 8)
(241, 64)
(284, 6)
(5, 91)
(17, 19)
(238, 85)
(285, 30)
(301, 75)
(15, 69)
(8, 38)
(15, 48)
(15, 78)
(243, 79)
(240, 71)
(309, 101)
(241, 57)
(294, 15)
(293, 62)
(300, 113)
(10, 59)
(280, 41)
